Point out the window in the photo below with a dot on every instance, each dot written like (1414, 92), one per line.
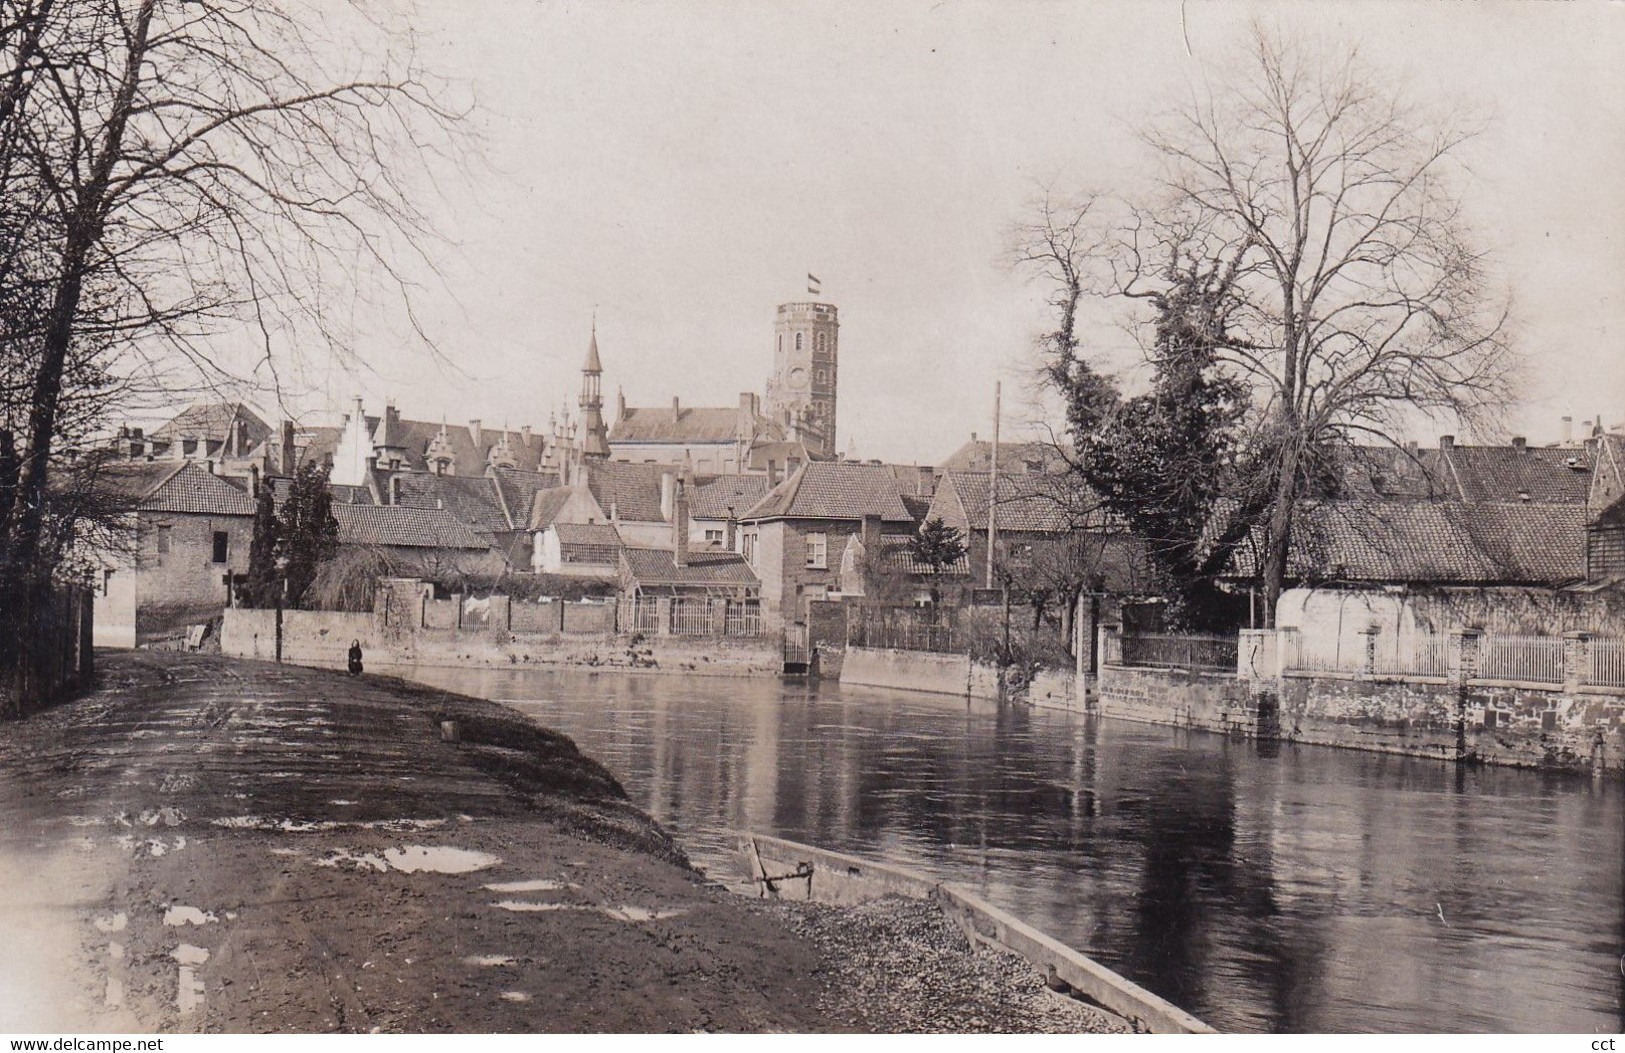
(107, 581)
(713, 537)
(1021, 555)
(747, 548)
(818, 551)
(781, 341)
(798, 341)
(823, 376)
(818, 343)
(222, 545)
(163, 541)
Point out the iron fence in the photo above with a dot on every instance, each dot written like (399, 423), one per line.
(1534, 659)
(901, 629)
(1419, 655)
(1606, 665)
(1168, 651)
(743, 619)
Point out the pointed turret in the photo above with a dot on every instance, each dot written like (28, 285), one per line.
(594, 433)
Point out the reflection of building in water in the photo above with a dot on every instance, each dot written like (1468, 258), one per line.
(759, 782)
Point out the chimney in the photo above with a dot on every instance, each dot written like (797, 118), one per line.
(679, 525)
(871, 536)
(772, 473)
(253, 480)
(209, 464)
(1519, 442)
(1447, 442)
(730, 531)
(394, 489)
(1568, 430)
(925, 484)
(667, 479)
(524, 436)
(614, 513)
(475, 432)
(676, 410)
(287, 466)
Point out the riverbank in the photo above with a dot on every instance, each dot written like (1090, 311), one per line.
(208, 844)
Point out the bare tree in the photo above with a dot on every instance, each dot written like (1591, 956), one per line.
(1356, 305)
(177, 173)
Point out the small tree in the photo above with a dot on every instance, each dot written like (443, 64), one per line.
(260, 588)
(310, 534)
(937, 546)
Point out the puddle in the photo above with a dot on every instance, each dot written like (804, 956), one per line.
(515, 996)
(489, 960)
(521, 907)
(642, 913)
(301, 826)
(168, 815)
(415, 858)
(365, 861)
(116, 923)
(189, 989)
(115, 951)
(115, 993)
(341, 802)
(84, 820)
(538, 885)
(177, 916)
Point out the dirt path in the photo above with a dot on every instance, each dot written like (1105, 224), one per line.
(206, 844)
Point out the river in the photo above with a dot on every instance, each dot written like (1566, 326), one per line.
(1261, 887)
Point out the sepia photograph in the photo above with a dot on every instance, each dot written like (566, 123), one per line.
(800, 517)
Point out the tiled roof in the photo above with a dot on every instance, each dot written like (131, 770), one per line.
(123, 484)
(344, 494)
(1510, 473)
(835, 490)
(415, 436)
(1433, 542)
(1391, 473)
(1014, 457)
(213, 420)
(401, 527)
(711, 500)
(518, 489)
(472, 499)
(900, 554)
(193, 489)
(547, 504)
(633, 489)
(1029, 502)
(588, 542)
(656, 566)
(693, 424)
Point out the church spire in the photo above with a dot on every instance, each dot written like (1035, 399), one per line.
(594, 435)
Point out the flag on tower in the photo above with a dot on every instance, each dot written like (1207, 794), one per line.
(814, 286)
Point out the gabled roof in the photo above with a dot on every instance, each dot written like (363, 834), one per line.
(195, 490)
(414, 436)
(547, 504)
(835, 490)
(716, 425)
(518, 489)
(400, 527)
(1014, 457)
(711, 500)
(900, 554)
(1433, 542)
(657, 566)
(215, 421)
(472, 499)
(124, 484)
(1028, 502)
(1387, 473)
(633, 489)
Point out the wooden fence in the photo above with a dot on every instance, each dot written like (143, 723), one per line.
(55, 658)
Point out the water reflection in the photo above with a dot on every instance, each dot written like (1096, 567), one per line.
(1295, 889)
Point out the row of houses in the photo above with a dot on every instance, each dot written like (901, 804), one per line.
(1451, 517)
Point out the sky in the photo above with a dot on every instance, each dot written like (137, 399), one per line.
(676, 169)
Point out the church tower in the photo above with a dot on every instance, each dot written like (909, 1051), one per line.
(594, 435)
(801, 391)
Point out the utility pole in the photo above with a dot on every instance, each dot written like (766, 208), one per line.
(993, 486)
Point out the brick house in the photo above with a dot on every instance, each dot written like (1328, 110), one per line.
(188, 543)
(795, 537)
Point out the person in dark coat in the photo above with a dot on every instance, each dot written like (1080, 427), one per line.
(355, 657)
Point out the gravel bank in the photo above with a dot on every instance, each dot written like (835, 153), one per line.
(900, 965)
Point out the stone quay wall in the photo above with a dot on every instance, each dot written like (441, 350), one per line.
(322, 639)
(1461, 716)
